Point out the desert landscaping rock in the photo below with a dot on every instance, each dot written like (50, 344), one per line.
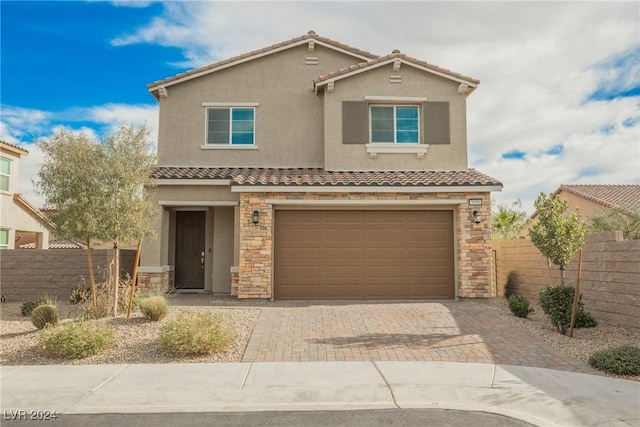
(137, 339)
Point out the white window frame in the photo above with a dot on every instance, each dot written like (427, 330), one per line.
(8, 234)
(395, 126)
(10, 162)
(230, 106)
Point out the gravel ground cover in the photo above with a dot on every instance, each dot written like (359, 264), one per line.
(137, 339)
(584, 342)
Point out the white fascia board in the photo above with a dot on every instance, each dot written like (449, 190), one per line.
(359, 189)
(345, 203)
(389, 61)
(196, 203)
(251, 58)
(195, 181)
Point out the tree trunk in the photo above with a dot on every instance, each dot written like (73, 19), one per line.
(134, 279)
(92, 280)
(562, 275)
(116, 277)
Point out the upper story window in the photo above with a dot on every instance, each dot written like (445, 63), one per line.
(5, 173)
(4, 238)
(395, 123)
(231, 125)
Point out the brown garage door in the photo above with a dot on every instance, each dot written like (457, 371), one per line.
(353, 254)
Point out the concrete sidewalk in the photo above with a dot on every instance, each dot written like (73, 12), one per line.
(539, 396)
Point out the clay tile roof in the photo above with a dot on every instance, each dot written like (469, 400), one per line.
(396, 54)
(624, 196)
(57, 244)
(321, 177)
(12, 147)
(309, 35)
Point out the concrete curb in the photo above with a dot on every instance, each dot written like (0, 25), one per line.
(539, 396)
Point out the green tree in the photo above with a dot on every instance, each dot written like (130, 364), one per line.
(507, 221)
(100, 189)
(614, 219)
(68, 180)
(557, 236)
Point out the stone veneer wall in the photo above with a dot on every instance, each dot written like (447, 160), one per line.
(474, 263)
(157, 282)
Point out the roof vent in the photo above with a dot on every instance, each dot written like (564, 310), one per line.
(311, 33)
(396, 51)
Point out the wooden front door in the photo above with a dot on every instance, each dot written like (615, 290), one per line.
(190, 250)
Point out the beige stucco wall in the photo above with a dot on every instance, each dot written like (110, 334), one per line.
(415, 83)
(288, 127)
(585, 206)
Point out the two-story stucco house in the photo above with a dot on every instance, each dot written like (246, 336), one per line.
(20, 222)
(310, 169)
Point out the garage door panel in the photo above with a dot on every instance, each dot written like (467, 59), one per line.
(364, 255)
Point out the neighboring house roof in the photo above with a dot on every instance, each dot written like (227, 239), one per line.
(321, 177)
(57, 244)
(370, 61)
(296, 41)
(14, 148)
(391, 58)
(22, 202)
(623, 196)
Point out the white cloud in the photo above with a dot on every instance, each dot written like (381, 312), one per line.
(24, 126)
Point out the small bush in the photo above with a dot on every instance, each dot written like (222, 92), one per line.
(28, 306)
(192, 333)
(584, 319)
(43, 315)
(79, 294)
(624, 360)
(76, 340)
(557, 303)
(154, 308)
(519, 306)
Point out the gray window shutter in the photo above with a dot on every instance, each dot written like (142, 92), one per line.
(436, 123)
(355, 122)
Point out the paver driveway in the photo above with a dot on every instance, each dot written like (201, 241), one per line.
(451, 331)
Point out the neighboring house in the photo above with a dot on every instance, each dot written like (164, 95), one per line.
(58, 244)
(310, 169)
(594, 198)
(20, 222)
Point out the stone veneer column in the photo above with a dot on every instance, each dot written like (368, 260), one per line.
(256, 244)
(475, 261)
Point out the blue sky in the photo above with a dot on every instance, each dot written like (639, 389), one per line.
(558, 101)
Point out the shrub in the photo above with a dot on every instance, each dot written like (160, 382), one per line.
(43, 315)
(519, 306)
(79, 294)
(557, 304)
(584, 319)
(624, 360)
(154, 308)
(192, 333)
(76, 340)
(28, 306)
(104, 299)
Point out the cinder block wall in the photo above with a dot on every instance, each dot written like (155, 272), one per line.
(27, 274)
(610, 278)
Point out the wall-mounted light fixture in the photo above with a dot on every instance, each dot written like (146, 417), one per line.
(255, 216)
(476, 216)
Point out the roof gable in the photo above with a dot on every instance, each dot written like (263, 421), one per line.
(467, 84)
(310, 38)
